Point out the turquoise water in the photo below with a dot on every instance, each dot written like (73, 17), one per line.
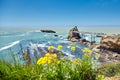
(16, 40)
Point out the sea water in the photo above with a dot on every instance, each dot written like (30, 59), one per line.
(16, 40)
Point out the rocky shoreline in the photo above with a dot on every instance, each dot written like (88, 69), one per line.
(109, 46)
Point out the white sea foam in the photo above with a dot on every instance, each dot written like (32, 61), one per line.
(16, 35)
(87, 38)
(63, 41)
(12, 44)
(41, 45)
(69, 55)
(37, 31)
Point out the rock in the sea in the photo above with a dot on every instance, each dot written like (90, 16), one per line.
(56, 35)
(111, 42)
(48, 31)
(74, 34)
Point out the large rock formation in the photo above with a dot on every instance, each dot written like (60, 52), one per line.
(74, 34)
(111, 43)
(109, 48)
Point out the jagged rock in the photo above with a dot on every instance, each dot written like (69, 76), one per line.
(111, 42)
(74, 34)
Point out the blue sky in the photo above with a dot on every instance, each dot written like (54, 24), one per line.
(59, 12)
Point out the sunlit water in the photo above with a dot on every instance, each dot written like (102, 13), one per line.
(16, 41)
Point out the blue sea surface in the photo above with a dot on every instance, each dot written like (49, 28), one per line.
(17, 41)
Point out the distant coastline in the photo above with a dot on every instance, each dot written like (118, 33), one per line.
(99, 29)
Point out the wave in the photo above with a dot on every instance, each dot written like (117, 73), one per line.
(12, 44)
(16, 35)
(41, 45)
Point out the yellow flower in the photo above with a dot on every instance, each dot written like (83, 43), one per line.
(75, 61)
(86, 55)
(101, 77)
(41, 61)
(60, 47)
(45, 58)
(97, 55)
(85, 50)
(58, 61)
(49, 60)
(47, 54)
(90, 52)
(73, 48)
(50, 47)
(54, 56)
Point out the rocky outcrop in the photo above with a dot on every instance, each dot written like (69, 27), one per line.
(74, 34)
(111, 43)
(48, 31)
(109, 56)
(109, 48)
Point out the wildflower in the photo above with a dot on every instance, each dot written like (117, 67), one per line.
(101, 77)
(73, 48)
(47, 54)
(90, 52)
(50, 47)
(60, 47)
(42, 60)
(53, 56)
(39, 61)
(58, 61)
(97, 55)
(49, 60)
(86, 55)
(85, 50)
(75, 61)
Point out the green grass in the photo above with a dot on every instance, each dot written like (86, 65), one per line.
(84, 69)
(119, 37)
(66, 70)
(109, 70)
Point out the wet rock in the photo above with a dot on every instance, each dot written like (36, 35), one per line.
(74, 34)
(48, 31)
(56, 35)
(74, 40)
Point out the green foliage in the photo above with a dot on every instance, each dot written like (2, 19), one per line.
(119, 37)
(110, 69)
(66, 70)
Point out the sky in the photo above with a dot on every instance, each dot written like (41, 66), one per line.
(20, 13)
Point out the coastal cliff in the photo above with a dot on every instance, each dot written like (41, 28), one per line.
(109, 48)
(111, 42)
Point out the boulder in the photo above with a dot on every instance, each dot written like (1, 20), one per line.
(110, 42)
(74, 34)
(56, 35)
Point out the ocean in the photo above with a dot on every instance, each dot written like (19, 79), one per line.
(16, 40)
